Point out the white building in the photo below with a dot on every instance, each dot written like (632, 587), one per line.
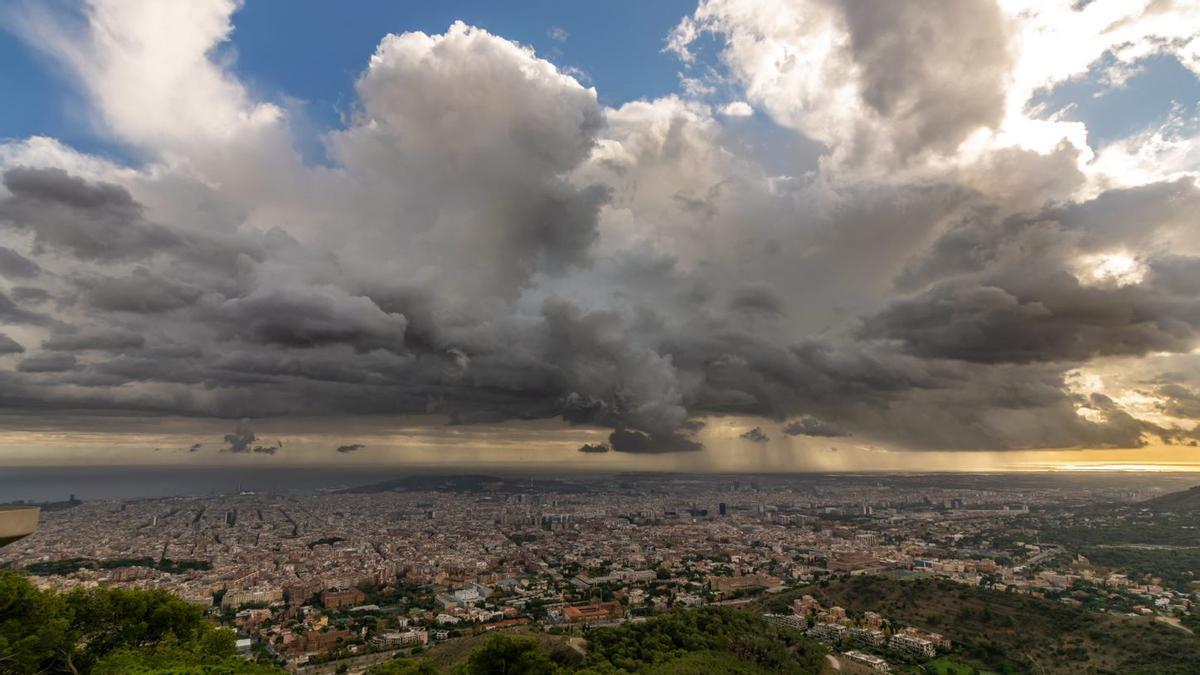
(913, 645)
(828, 632)
(397, 639)
(869, 660)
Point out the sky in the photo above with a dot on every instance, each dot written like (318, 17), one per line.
(738, 235)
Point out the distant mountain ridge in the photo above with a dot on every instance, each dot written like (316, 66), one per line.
(460, 483)
(1184, 500)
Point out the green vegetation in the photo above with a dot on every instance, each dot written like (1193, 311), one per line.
(718, 631)
(1141, 528)
(1156, 539)
(109, 631)
(683, 642)
(505, 655)
(499, 655)
(1185, 502)
(1015, 633)
(214, 658)
(948, 666)
(706, 663)
(404, 667)
(1191, 621)
(72, 565)
(1176, 567)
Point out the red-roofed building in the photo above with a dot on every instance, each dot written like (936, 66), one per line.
(600, 611)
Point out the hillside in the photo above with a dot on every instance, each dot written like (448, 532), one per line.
(1184, 501)
(685, 642)
(459, 483)
(1015, 633)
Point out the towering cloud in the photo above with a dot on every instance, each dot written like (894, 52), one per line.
(879, 83)
(927, 264)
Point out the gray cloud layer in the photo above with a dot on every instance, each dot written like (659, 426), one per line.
(490, 243)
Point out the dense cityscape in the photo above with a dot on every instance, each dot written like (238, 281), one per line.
(352, 578)
(683, 337)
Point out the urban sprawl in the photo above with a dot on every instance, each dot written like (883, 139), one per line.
(359, 576)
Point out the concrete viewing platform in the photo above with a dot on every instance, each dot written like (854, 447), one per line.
(17, 522)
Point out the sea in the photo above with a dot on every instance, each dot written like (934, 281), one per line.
(54, 484)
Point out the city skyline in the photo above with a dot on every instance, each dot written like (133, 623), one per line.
(904, 573)
(738, 235)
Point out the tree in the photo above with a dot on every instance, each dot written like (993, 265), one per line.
(506, 655)
(109, 630)
(214, 656)
(34, 634)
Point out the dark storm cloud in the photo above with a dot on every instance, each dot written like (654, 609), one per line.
(194, 447)
(591, 357)
(46, 363)
(16, 266)
(95, 338)
(629, 440)
(92, 221)
(141, 292)
(878, 83)
(1131, 431)
(9, 345)
(12, 313)
(1053, 318)
(811, 426)
(489, 243)
(352, 447)
(1178, 400)
(756, 435)
(30, 295)
(244, 440)
(1176, 275)
(1009, 291)
(266, 348)
(479, 416)
(312, 318)
(577, 409)
(936, 74)
(762, 300)
(1119, 217)
(880, 393)
(241, 440)
(594, 448)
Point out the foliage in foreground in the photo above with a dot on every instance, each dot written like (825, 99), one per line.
(109, 631)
